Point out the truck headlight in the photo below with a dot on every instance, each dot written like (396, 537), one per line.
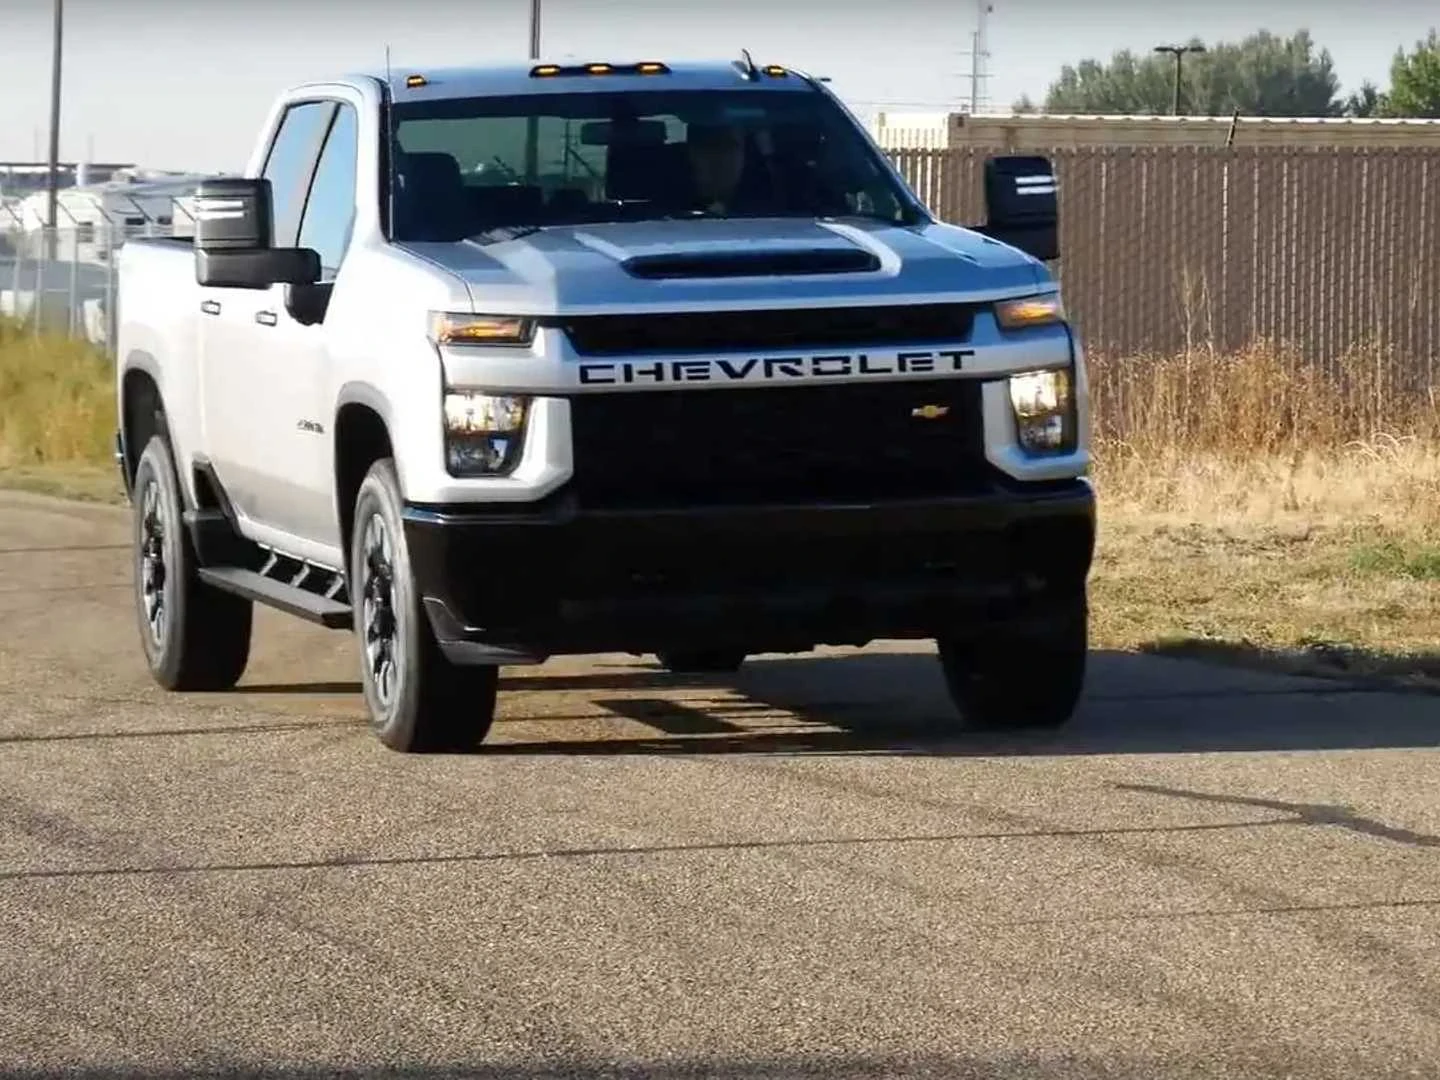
(1025, 312)
(1044, 407)
(484, 433)
(459, 329)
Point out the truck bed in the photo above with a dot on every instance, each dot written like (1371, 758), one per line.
(158, 301)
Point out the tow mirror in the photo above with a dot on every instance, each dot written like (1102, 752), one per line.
(256, 268)
(235, 235)
(1022, 207)
(232, 212)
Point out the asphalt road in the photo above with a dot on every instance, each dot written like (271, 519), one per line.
(791, 872)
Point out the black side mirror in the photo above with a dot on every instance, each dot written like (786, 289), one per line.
(256, 268)
(1022, 206)
(234, 212)
(235, 235)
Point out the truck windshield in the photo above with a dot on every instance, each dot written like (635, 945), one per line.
(468, 166)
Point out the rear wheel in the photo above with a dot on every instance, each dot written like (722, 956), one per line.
(1015, 680)
(702, 660)
(195, 636)
(418, 700)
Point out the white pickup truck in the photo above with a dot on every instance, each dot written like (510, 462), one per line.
(496, 364)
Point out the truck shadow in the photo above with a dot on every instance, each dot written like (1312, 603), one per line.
(890, 702)
(895, 703)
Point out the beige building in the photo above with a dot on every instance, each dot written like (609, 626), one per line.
(1019, 133)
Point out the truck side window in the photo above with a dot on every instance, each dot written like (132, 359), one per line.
(330, 209)
(292, 157)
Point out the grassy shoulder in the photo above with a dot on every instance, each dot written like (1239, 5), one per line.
(97, 482)
(1326, 566)
(1218, 538)
(57, 416)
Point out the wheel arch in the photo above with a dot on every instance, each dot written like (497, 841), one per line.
(142, 412)
(362, 436)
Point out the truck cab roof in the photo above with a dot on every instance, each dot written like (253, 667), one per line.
(419, 83)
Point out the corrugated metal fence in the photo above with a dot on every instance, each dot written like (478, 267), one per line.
(1169, 248)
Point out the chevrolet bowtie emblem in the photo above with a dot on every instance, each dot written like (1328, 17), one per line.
(930, 412)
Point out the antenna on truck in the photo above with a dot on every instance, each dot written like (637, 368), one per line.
(389, 131)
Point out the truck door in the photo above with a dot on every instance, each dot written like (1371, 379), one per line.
(298, 340)
(250, 395)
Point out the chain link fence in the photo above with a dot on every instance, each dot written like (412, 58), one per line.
(63, 280)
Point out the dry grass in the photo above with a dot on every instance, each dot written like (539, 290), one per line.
(57, 402)
(1257, 508)
(1252, 507)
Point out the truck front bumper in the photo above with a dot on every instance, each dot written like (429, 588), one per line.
(503, 585)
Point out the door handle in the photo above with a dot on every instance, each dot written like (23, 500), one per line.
(265, 318)
(210, 307)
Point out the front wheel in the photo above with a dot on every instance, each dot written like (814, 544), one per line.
(1017, 681)
(418, 700)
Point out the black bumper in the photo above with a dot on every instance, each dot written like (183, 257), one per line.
(507, 586)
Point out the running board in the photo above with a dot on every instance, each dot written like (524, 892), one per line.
(315, 607)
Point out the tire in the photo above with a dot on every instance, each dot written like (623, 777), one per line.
(418, 701)
(702, 661)
(195, 636)
(1020, 681)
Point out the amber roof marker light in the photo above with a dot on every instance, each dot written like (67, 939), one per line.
(599, 68)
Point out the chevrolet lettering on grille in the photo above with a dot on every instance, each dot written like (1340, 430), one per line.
(769, 368)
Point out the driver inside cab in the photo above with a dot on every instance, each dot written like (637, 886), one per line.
(716, 153)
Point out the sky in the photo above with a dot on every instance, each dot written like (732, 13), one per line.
(185, 84)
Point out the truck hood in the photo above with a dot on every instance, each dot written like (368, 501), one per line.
(736, 263)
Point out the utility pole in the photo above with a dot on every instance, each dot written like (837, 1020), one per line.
(52, 185)
(535, 29)
(1178, 51)
(979, 53)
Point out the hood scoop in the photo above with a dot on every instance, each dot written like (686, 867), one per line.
(729, 264)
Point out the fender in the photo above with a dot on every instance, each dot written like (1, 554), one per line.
(361, 392)
(126, 454)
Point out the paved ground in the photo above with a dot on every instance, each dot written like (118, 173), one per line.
(790, 873)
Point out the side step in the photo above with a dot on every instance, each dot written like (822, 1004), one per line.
(315, 607)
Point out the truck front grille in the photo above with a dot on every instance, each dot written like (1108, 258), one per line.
(850, 328)
(778, 444)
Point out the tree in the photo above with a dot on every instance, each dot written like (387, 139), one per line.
(1415, 81)
(1262, 75)
(1128, 84)
(1367, 101)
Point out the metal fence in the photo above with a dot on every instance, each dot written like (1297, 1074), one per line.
(1162, 248)
(64, 280)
